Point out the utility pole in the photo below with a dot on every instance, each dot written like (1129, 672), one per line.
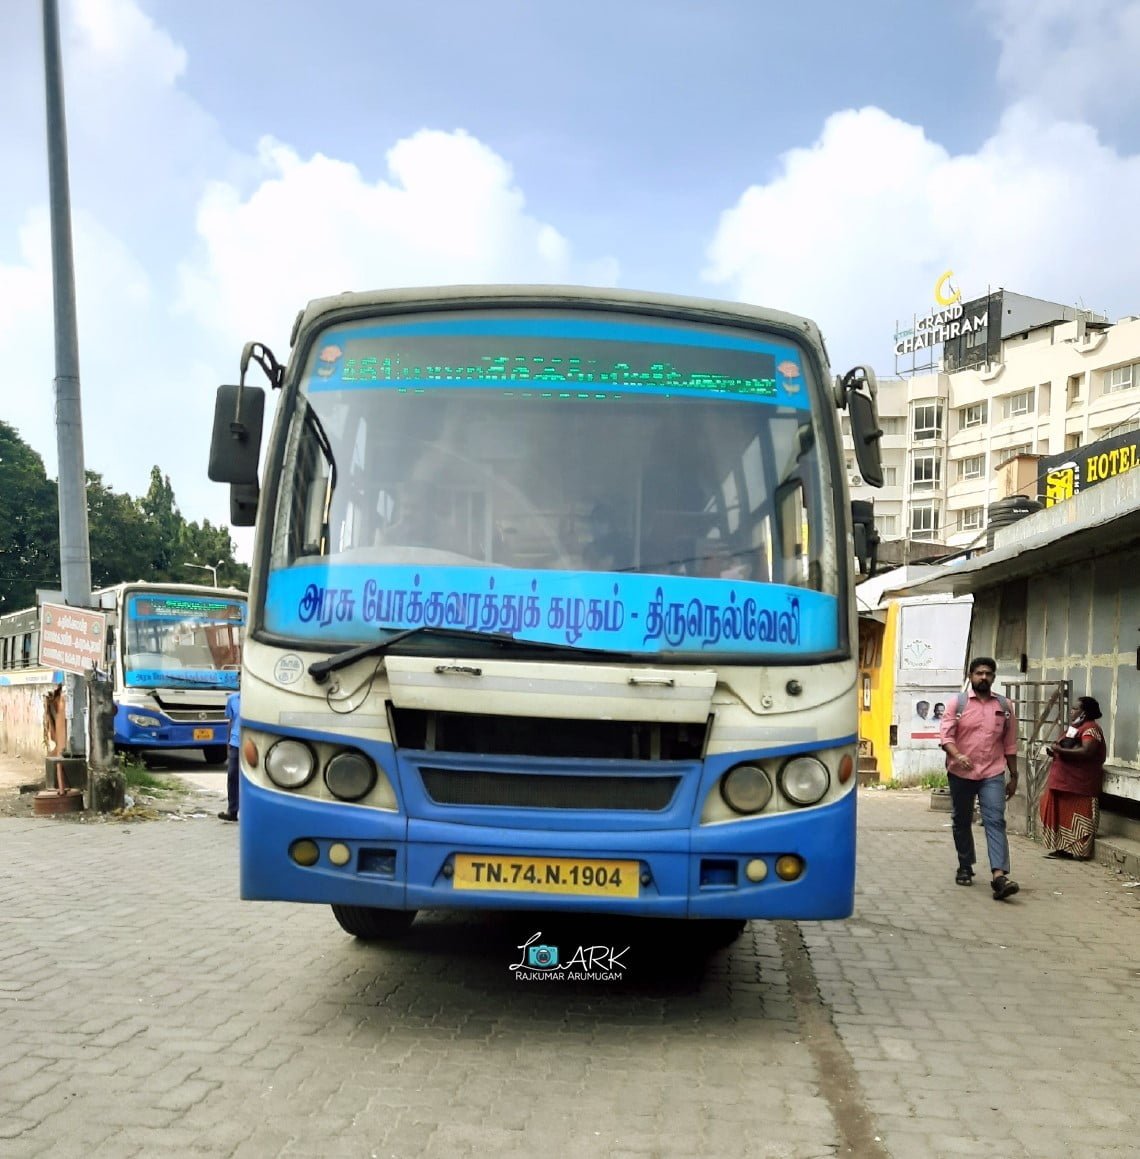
(74, 544)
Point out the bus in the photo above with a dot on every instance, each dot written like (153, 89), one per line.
(174, 656)
(552, 607)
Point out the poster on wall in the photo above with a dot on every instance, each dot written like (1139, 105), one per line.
(926, 719)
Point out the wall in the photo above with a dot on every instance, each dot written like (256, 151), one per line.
(1078, 623)
(22, 714)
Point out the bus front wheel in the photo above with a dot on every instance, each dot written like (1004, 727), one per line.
(371, 924)
(214, 754)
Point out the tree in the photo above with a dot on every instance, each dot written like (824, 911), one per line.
(29, 524)
(130, 539)
(123, 542)
(166, 525)
(206, 544)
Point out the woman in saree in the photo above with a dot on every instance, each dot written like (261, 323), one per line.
(1070, 805)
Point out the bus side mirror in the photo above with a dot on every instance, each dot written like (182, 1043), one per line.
(859, 391)
(243, 504)
(865, 536)
(235, 445)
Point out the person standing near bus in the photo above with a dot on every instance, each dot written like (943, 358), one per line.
(233, 757)
(1070, 805)
(980, 742)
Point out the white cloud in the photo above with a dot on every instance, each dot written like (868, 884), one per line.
(449, 213)
(119, 35)
(1070, 60)
(185, 247)
(854, 230)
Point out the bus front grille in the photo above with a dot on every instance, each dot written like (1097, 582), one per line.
(548, 791)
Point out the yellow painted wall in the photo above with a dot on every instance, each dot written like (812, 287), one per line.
(877, 667)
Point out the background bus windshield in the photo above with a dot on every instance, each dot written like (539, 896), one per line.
(539, 445)
(183, 641)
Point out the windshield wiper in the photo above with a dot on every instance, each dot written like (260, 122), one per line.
(320, 669)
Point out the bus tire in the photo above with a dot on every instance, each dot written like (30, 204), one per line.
(215, 754)
(371, 924)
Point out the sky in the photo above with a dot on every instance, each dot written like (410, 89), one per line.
(231, 160)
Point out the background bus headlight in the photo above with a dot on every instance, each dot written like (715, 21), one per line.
(746, 788)
(290, 764)
(350, 776)
(804, 780)
(141, 721)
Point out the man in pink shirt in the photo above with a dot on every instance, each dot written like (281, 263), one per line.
(979, 737)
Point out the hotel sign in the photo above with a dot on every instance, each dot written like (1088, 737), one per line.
(1063, 476)
(949, 321)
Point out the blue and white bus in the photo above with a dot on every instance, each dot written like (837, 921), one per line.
(176, 659)
(174, 656)
(552, 607)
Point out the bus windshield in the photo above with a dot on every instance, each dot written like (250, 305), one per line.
(594, 479)
(182, 641)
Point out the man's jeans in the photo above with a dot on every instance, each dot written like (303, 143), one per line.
(991, 797)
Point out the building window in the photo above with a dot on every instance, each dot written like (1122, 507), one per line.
(928, 420)
(1019, 404)
(887, 525)
(1072, 442)
(1073, 389)
(972, 519)
(1118, 378)
(972, 468)
(1013, 452)
(926, 473)
(890, 476)
(893, 426)
(924, 521)
(972, 416)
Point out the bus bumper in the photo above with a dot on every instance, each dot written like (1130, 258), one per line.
(391, 861)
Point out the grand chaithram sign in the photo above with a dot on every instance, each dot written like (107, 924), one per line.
(940, 326)
(1063, 476)
(950, 320)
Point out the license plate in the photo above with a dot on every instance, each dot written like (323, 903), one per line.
(565, 875)
(203, 734)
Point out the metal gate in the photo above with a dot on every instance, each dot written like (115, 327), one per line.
(1042, 709)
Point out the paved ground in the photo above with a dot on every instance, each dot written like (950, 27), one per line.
(145, 1010)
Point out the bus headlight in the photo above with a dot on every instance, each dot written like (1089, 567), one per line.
(746, 788)
(804, 780)
(141, 721)
(290, 764)
(350, 776)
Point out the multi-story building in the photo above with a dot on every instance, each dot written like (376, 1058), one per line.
(1032, 379)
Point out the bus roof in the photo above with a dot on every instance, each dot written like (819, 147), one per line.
(578, 297)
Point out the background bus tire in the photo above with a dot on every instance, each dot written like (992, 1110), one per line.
(215, 754)
(371, 924)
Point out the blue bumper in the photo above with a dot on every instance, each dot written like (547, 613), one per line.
(168, 734)
(397, 862)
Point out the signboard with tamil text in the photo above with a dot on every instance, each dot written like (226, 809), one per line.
(72, 639)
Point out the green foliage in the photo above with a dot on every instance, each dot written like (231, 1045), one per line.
(136, 776)
(29, 524)
(929, 781)
(131, 539)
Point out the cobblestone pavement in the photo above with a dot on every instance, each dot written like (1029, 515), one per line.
(145, 1010)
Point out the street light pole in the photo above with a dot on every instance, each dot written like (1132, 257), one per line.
(210, 567)
(74, 543)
